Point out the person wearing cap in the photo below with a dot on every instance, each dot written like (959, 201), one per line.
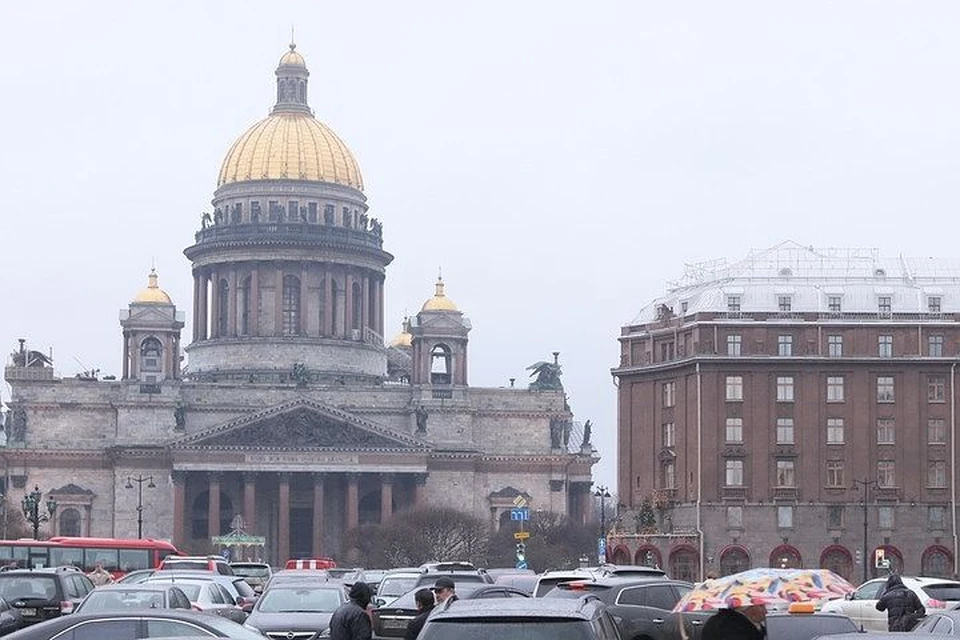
(350, 621)
(446, 593)
(425, 603)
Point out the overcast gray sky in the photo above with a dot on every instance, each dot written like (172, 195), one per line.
(560, 160)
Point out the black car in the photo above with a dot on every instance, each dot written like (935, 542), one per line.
(41, 594)
(134, 624)
(391, 621)
(10, 618)
(641, 605)
(780, 626)
(585, 618)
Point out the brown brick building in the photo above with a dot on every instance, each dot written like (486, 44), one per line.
(758, 400)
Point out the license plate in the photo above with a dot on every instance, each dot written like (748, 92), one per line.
(395, 624)
(28, 612)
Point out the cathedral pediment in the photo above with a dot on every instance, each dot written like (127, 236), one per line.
(300, 425)
(150, 315)
(444, 322)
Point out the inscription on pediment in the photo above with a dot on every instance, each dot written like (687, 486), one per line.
(301, 428)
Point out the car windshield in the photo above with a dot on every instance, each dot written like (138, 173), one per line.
(506, 629)
(25, 587)
(299, 599)
(943, 591)
(112, 600)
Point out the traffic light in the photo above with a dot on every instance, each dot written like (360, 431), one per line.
(521, 548)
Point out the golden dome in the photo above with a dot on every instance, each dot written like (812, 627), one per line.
(293, 58)
(404, 340)
(153, 293)
(290, 146)
(439, 301)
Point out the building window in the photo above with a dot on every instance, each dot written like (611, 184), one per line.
(835, 474)
(784, 388)
(785, 345)
(312, 212)
(784, 303)
(667, 351)
(937, 474)
(833, 304)
(734, 388)
(936, 389)
(885, 431)
(668, 433)
(669, 475)
(291, 305)
(785, 517)
(785, 431)
(885, 389)
(835, 346)
(885, 346)
(884, 304)
(785, 473)
(733, 304)
(936, 562)
(933, 304)
(441, 364)
(936, 516)
(69, 521)
(328, 214)
(834, 430)
(886, 474)
(734, 473)
(734, 431)
(935, 346)
(734, 344)
(734, 517)
(669, 394)
(885, 517)
(835, 516)
(936, 431)
(835, 389)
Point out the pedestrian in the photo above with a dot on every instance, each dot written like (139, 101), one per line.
(100, 576)
(446, 593)
(902, 605)
(745, 623)
(425, 603)
(350, 621)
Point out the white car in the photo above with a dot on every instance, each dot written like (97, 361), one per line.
(861, 605)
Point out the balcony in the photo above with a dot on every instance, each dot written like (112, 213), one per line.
(293, 232)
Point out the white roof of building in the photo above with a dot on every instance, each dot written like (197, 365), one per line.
(811, 277)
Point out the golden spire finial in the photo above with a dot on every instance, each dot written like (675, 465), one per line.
(152, 279)
(293, 40)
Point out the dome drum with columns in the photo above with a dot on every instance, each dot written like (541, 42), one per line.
(289, 269)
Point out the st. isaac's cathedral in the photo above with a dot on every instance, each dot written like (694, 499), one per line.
(291, 411)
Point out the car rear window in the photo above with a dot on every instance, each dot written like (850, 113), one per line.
(803, 627)
(23, 587)
(573, 590)
(507, 629)
(186, 565)
(457, 578)
(252, 572)
(943, 591)
(396, 586)
(546, 584)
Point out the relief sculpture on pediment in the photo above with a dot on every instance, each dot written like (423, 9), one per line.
(303, 429)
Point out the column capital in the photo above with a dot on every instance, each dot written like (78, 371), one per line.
(178, 476)
(353, 477)
(318, 477)
(387, 478)
(249, 477)
(420, 478)
(284, 477)
(215, 476)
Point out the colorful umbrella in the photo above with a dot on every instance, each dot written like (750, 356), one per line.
(774, 588)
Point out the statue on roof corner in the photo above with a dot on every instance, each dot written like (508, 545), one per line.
(548, 375)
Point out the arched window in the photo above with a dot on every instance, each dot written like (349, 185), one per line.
(440, 364)
(357, 312)
(937, 562)
(291, 305)
(151, 356)
(683, 564)
(223, 307)
(648, 556)
(199, 513)
(891, 554)
(69, 521)
(246, 308)
(837, 559)
(734, 559)
(786, 557)
(620, 555)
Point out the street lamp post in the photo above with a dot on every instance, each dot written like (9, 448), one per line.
(866, 484)
(31, 510)
(603, 493)
(140, 479)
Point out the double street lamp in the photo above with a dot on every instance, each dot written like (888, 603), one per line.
(603, 493)
(31, 510)
(140, 479)
(866, 484)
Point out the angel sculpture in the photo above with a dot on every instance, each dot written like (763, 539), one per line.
(548, 376)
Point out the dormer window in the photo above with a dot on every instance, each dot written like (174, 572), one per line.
(834, 304)
(733, 304)
(884, 304)
(933, 304)
(784, 303)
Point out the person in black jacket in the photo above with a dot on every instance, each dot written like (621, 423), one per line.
(731, 624)
(425, 603)
(351, 621)
(902, 605)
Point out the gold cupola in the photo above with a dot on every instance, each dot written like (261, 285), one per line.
(153, 294)
(290, 144)
(439, 301)
(404, 339)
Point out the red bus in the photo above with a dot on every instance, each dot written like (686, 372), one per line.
(117, 555)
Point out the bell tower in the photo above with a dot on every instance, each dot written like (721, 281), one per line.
(439, 338)
(151, 336)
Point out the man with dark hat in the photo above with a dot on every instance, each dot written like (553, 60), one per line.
(350, 621)
(446, 593)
